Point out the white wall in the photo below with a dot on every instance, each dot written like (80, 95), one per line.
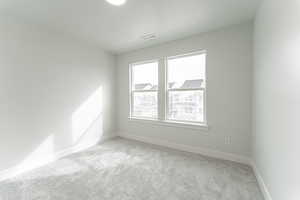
(47, 82)
(229, 71)
(276, 147)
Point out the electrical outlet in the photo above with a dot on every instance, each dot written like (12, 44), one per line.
(228, 140)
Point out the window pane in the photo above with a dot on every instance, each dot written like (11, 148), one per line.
(145, 104)
(186, 105)
(145, 76)
(186, 72)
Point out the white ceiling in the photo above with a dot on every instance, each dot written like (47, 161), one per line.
(119, 29)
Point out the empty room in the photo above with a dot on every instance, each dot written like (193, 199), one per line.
(149, 100)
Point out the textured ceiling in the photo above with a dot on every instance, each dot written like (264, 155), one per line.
(119, 29)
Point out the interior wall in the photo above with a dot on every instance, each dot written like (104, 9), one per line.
(276, 100)
(229, 77)
(51, 88)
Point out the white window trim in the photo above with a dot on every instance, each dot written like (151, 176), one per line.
(203, 89)
(131, 91)
(162, 96)
(177, 124)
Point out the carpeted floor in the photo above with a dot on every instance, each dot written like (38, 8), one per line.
(128, 170)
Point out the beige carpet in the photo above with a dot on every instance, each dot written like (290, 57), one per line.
(128, 170)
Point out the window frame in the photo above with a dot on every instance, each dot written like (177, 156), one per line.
(166, 100)
(162, 95)
(131, 91)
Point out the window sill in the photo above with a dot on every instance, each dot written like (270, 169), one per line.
(189, 125)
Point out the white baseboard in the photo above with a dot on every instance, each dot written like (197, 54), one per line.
(182, 147)
(19, 169)
(261, 182)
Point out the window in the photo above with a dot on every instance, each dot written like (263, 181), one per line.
(186, 88)
(172, 89)
(144, 90)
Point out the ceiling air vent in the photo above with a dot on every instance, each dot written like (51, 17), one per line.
(150, 36)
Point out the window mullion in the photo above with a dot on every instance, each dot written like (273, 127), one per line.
(137, 91)
(183, 89)
(161, 89)
(130, 91)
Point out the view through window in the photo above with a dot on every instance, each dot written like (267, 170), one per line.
(144, 90)
(186, 88)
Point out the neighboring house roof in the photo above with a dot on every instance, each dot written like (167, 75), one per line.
(143, 86)
(171, 85)
(154, 87)
(190, 84)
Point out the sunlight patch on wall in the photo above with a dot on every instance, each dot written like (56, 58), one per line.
(43, 153)
(86, 115)
(86, 130)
